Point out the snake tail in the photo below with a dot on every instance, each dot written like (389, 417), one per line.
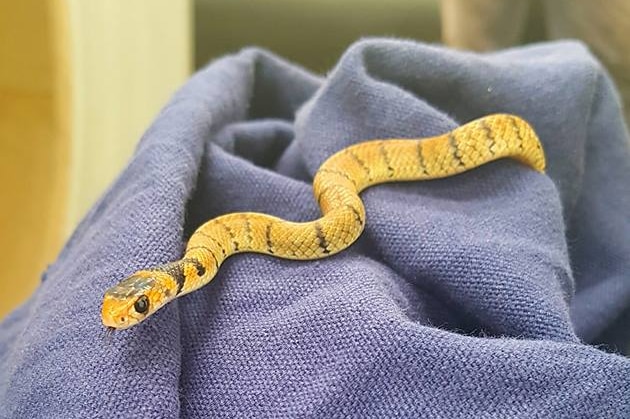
(336, 186)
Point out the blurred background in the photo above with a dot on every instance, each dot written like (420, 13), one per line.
(81, 80)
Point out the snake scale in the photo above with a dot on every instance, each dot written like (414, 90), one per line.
(336, 186)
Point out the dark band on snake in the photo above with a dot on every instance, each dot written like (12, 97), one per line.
(455, 148)
(421, 159)
(489, 136)
(268, 238)
(176, 271)
(356, 213)
(323, 244)
(390, 169)
(361, 163)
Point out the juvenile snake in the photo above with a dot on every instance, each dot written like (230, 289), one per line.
(336, 186)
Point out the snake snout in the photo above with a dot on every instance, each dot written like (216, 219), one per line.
(114, 314)
(115, 321)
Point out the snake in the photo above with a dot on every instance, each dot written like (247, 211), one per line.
(336, 186)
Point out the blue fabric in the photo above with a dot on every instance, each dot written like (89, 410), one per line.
(497, 293)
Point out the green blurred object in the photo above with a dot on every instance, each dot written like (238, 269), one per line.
(312, 33)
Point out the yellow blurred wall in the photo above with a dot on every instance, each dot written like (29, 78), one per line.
(128, 57)
(79, 83)
(33, 151)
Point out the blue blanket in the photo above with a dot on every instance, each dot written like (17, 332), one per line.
(501, 292)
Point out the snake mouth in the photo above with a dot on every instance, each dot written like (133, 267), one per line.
(117, 321)
(113, 322)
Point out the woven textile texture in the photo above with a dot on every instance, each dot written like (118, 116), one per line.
(501, 292)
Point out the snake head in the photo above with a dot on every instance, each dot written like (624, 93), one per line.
(134, 299)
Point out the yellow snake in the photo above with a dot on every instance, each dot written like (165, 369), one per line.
(336, 186)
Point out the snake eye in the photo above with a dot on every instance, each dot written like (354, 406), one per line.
(142, 304)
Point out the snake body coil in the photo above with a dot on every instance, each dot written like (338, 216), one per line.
(336, 186)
